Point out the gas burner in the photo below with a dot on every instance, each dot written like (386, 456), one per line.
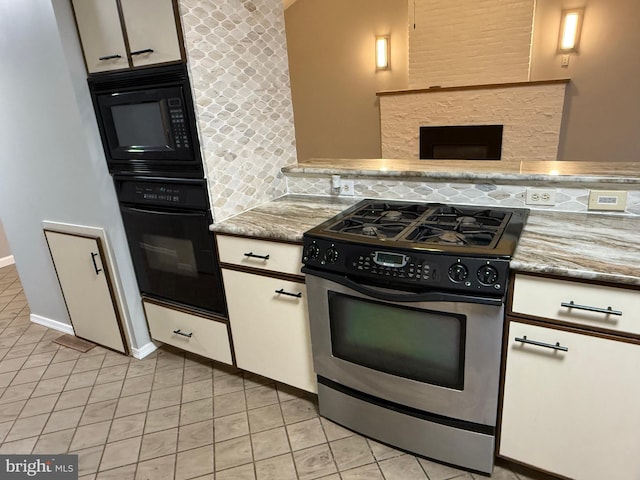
(449, 215)
(385, 211)
(393, 215)
(355, 226)
(425, 234)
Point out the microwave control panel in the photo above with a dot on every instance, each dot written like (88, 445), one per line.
(178, 121)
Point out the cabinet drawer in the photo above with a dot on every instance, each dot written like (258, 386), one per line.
(270, 329)
(282, 257)
(550, 298)
(203, 336)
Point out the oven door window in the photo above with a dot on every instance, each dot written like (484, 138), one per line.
(422, 345)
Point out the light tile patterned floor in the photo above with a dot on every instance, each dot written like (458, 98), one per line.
(173, 415)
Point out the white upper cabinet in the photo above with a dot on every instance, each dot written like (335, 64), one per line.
(139, 33)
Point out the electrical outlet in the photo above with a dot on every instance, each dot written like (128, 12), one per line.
(347, 188)
(540, 196)
(609, 200)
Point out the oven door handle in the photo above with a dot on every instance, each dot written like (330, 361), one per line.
(386, 295)
(161, 212)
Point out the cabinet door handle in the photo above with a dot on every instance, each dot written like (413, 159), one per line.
(607, 310)
(95, 265)
(253, 255)
(282, 292)
(110, 57)
(140, 52)
(557, 346)
(179, 332)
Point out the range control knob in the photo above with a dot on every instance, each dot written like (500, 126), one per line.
(312, 251)
(331, 255)
(487, 275)
(458, 272)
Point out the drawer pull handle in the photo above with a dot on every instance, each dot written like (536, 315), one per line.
(253, 255)
(607, 310)
(179, 332)
(282, 292)
(140, 52)
(110, 57)
(95, 265)
(557, 346)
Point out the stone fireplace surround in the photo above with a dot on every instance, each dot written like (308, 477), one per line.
(531, 113)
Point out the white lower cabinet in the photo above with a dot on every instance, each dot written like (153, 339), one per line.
(204, 336)
(270, 327)
(574, 413)
(87, 289)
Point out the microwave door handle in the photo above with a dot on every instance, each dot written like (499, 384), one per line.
(391, 296)
(159, 212)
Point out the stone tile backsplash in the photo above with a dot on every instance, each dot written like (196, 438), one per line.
(237, 60)
(568, 199)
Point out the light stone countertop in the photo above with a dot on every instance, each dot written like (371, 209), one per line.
(577, 245)
(569, 172)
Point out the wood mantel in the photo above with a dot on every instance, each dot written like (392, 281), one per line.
(473, 87)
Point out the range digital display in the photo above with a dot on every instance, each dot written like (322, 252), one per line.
(388, 259)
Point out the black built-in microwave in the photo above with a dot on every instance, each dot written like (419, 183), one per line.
(147, 122)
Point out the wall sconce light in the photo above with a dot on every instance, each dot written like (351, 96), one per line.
(382, 53)
(570, 30)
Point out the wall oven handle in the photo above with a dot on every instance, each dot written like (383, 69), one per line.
(140, 52)
(282, 292)
(160, 212)
(557, 346)
(253, 255)
(95, 265)
(390, 296)
(180, 332)
(607, 310)
(110, 57)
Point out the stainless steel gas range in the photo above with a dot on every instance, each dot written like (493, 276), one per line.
(406, 305)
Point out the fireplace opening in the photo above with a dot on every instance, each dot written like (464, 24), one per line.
(461, 142)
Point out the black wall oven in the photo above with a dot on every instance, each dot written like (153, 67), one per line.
(147, 122)
(174, 254)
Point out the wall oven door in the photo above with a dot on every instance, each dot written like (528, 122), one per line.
(173, 251)
(419, 371)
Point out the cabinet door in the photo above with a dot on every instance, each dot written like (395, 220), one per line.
(572, 413)
(270, 330)
(101, 34)
(151, 25)
(86, 291)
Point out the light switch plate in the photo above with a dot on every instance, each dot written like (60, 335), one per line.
(607, 200)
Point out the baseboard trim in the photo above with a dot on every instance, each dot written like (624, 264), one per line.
(6, 261)
(54, 324)
(143, 351)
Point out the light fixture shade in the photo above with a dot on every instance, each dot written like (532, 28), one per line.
(382, 52)
(570, 29)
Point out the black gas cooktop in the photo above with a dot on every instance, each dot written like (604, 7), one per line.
(459, 247)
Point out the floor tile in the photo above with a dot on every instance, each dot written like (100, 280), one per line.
(438, 471)
(120, 453)
(261, 396)
(88, 459)
(159, 444)
(333, 431)
(366, 472)
(306, 434)
(298, 410)
(133, 404)
(73, 398)
(232, 453)
(243, 472)
(47, 387)
(61, 369)
(10, 411)
(123, 473)
(351, 452)
(194, 463)
(4, 429)
(27, 427)
(86, 364)
(162, 419)
(270, 443)
(127, 427)
(17, 392)
(165, 397)
(197, 390)
(105, 391)
(80, 380)
(231, 426)
(90, 435)
(405, 467)
(29, 375)
(63, 419)
(138, 368)
(157, 469)
(23, 446)
(314, 462)
(112, 374)
(54, 443)
(136, 385)
(265, 418)
(227, 384)
(276, 468)
(197, 411)
(39, 405)
(197, 372)
(229, 403)
(168, 378)
(383, 452)
(195, 435)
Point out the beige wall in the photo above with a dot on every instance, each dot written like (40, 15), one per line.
(5, 251)
(330, 45)
(602, 114)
